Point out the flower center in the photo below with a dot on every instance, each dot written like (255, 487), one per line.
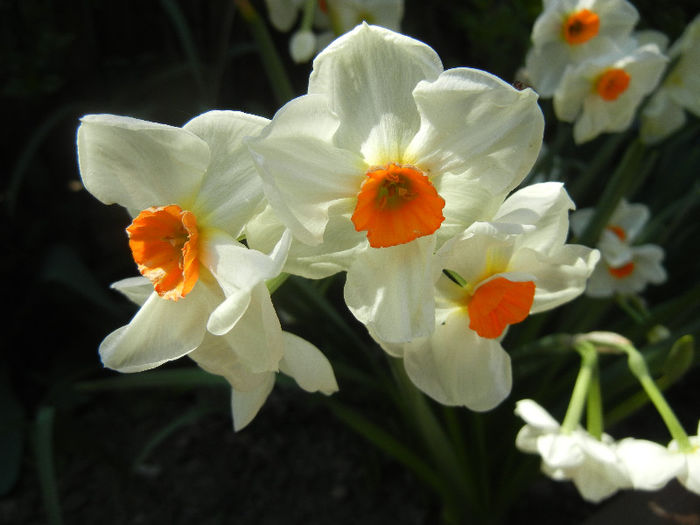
(622, 271)
(499, 303)
(164, 243)
(581, 26)
(618, 231)
(612, 84)
(397, 204)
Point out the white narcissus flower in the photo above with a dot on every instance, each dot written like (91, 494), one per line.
(651, 465)
(679, 92)
(384, 152)
(570, 31)
(500, 273)
(190, 192)
(593, 465)
(602, 94)
(624, 268)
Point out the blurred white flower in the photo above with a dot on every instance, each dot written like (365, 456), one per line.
(593, 465)
(602, 93)
(679, 92)
(624, 268)
(570, 31)
(501, 272)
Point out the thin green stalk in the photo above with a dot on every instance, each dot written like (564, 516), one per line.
(589, 359)
(594, 405)
(279, 81)
(639, 368)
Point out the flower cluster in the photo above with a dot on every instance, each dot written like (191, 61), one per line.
(585, 55)
(390, 169)
(600, 467)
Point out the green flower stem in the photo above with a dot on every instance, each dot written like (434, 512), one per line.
(639, 368)
(589, 360)
(279, 81)
(308, 17)
(624, 302)
(594, 405)
(276, 282)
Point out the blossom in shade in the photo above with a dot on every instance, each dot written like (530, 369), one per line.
(624, 267)
(568, 32)
(385, 158)
(678, 93)
(190, 192)
(497, 273)
(591, 464)
(651, 466)
(602, 94)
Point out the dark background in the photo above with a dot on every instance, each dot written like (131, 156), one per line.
(169, 455)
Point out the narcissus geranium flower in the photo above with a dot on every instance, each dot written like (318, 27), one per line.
(384, 158)
(190, 192)
(602, 94)
(593, 465)
(651, 465)
(665, 112)
(624, 268)
(570, 31)
(496, 274)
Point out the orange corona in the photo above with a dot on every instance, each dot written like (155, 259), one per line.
(612, 84)
(499, 303)
(618, 231)
(164, 243)
(622, 271)
(397, 204)
(581, 26)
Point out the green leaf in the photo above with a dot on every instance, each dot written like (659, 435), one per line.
(43, 449)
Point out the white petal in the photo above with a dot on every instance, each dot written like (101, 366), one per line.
(140, 164)
(536, 416)
(560, 276)
(457, 367)
(690, 479)
(136, 289)
(307, 365)
(649, 465)
(334, 255)
(257, 336)
(237, 267)
(162, 330)
(560, 450)
(545, 206)
(246, 405)
(475, 125)
(216, 357)
(368, 75)
(303, 171)
(232, 189)
(390, 290)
